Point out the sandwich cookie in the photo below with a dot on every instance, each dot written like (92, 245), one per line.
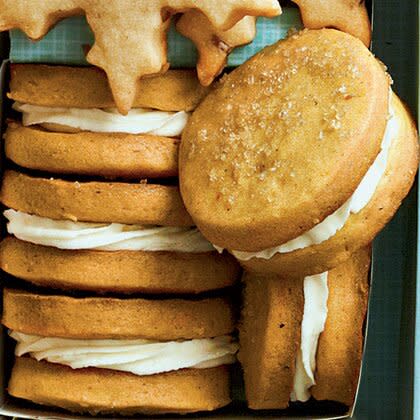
(119, 235)
(109, 355)
(300, 156)
(303, 338)
(139, 238)
(70, 125)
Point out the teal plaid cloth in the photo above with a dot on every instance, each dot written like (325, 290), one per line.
(66, 42)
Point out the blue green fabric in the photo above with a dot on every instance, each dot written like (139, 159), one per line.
(67, 41)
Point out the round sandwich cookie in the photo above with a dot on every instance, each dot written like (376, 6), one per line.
(302, 339)
(70, 123)
(106, 237)
(109, 355)
(300, 156)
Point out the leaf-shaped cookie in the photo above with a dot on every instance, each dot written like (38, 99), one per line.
(214, 46)
(130, 35)
(346, 15)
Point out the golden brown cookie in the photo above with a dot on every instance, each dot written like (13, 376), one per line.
(105, 391)
(360, 228)
(106, 317)
(270, 335)
(271, 151)
(87, 87)
(284, 141)
(107, 202)
(346, 15)
(340, 346)
(214, 46)
(109, 155)
(117, 271)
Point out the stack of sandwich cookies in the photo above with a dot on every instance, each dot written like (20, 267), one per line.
(94, 206)
(312, 340)
(104, 231)
(104, 354)
(300, 156)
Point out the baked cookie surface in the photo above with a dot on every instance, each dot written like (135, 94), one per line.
(284, 140)
(109, 155)
(96, 391)
(340, 346)
(349, 16)
(117, 271)
(118, 202)
(87, 87)
(107, 317)
(269, 336)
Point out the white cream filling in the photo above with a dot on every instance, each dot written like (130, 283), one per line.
(334, 222)
(137, 121)
(313, 323)
(141, 357)
(66, 234)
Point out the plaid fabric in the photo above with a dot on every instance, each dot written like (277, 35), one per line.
(66, 42)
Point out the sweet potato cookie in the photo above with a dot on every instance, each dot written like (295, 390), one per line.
(57, 94)
(103, 317)
(270, 335)
(124, 58)
(87, 87)
(104, 391)
(346, 15)
(104, 154)
(340, 346)
(272, 152)
(117, 271)
(362, 227)
(106, 202)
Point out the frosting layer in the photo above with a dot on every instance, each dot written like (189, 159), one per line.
(141, 357)
(137, 121)
(313, 322)
(66, 234)
(335, 221)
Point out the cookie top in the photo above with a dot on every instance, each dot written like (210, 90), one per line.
(284, 140)
(112, 393)
(125, 272)
(110, 155)
(87, 87)
(105, 317)
(94, 201)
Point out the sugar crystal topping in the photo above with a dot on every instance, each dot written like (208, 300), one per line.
(289, 94)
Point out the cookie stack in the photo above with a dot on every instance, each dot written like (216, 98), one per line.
(294, 163)
(118, 289)
(118, 312)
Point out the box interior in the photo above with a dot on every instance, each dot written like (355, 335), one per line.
(386, 389)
